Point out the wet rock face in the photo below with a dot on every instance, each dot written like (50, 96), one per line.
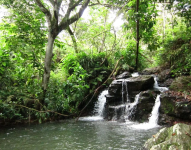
(175, 137)
(145, 105)
(116, 112)
(170, 106)
(134, 85)
(140, 83)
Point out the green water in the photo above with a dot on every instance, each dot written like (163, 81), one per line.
(68, 135)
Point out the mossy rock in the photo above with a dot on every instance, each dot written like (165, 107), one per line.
(181, 84)
(176, 137)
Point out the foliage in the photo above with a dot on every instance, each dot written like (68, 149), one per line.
(183, 86)
(183, 9)
(100, 44)
(78, 76)
(177, 51)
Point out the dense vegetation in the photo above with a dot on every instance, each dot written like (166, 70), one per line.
(39, 82)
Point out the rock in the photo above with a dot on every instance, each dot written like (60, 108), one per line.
(170, 106)
(145, 105)
(163, 75)
(132, 85)
(140, 83)
(113, 100)
(116, 113)
(166, 83)
(177, 137)
(149, 71)
(124, 75)
(181, 84)
(122, 90)
(115, 88)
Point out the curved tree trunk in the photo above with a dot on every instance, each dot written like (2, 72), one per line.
(47, 64)
(73, 39)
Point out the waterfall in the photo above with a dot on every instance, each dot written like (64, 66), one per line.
(125, 96)
(153, 119)
(154, 114)
(99, 106)
(98, 109)
(156, 86)
(130, 107)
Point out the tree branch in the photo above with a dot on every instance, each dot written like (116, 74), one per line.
(66, 22)
(76, 4)
(44, 10)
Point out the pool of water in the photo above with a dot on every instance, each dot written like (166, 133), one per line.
(71, 135)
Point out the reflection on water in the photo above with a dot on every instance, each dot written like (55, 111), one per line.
(68, 135)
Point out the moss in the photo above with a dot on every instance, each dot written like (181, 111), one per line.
(168, 107)
(181, 84)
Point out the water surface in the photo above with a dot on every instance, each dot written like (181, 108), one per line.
(68, 135)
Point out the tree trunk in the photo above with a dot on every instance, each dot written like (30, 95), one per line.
(73, 39)
(137, 38)
(47, 64)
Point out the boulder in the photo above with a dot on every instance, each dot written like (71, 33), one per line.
(171, 106)
(115, 87)
(174, 108)
(145, 105)
(131, 87)
(177, 137)
(140, 83)
(163, 75)
(149, 71)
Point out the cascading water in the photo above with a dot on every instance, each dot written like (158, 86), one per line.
(125, 96)
(99, 106)
(156, 86)
(153, 119)
(154, 114)
(130, 107)
(98, 109)
(126, 109)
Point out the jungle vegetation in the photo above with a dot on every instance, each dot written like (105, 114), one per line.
(56, 54)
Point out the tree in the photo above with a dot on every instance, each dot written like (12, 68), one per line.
(55, 26)
(140, 18)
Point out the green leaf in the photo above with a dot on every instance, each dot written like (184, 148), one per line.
(4, 64)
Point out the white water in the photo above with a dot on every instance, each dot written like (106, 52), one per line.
(130, 107)
(156, 86)
(125, 90)
(135, 74)
(98, 109)
(153, 119)
(154, 114)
